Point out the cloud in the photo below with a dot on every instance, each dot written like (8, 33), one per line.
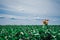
(21, 20)
(14, 17)
(29, 11)
(2, 17)
(33, 7)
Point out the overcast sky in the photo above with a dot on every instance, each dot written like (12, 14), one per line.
(33, 12)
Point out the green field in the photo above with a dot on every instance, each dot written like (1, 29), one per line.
(29, 32)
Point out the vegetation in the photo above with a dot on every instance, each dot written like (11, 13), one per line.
(29, 32)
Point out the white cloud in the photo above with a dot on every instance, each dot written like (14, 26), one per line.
(12, 19)
(34, 7)
(22, 17)
(27, 18)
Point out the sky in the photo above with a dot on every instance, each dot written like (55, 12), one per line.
(29, 12)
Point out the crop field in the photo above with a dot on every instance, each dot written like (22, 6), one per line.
(29, 32)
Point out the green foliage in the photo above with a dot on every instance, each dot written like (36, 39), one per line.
(29, 32)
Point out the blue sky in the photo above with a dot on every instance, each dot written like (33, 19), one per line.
(31, 12)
